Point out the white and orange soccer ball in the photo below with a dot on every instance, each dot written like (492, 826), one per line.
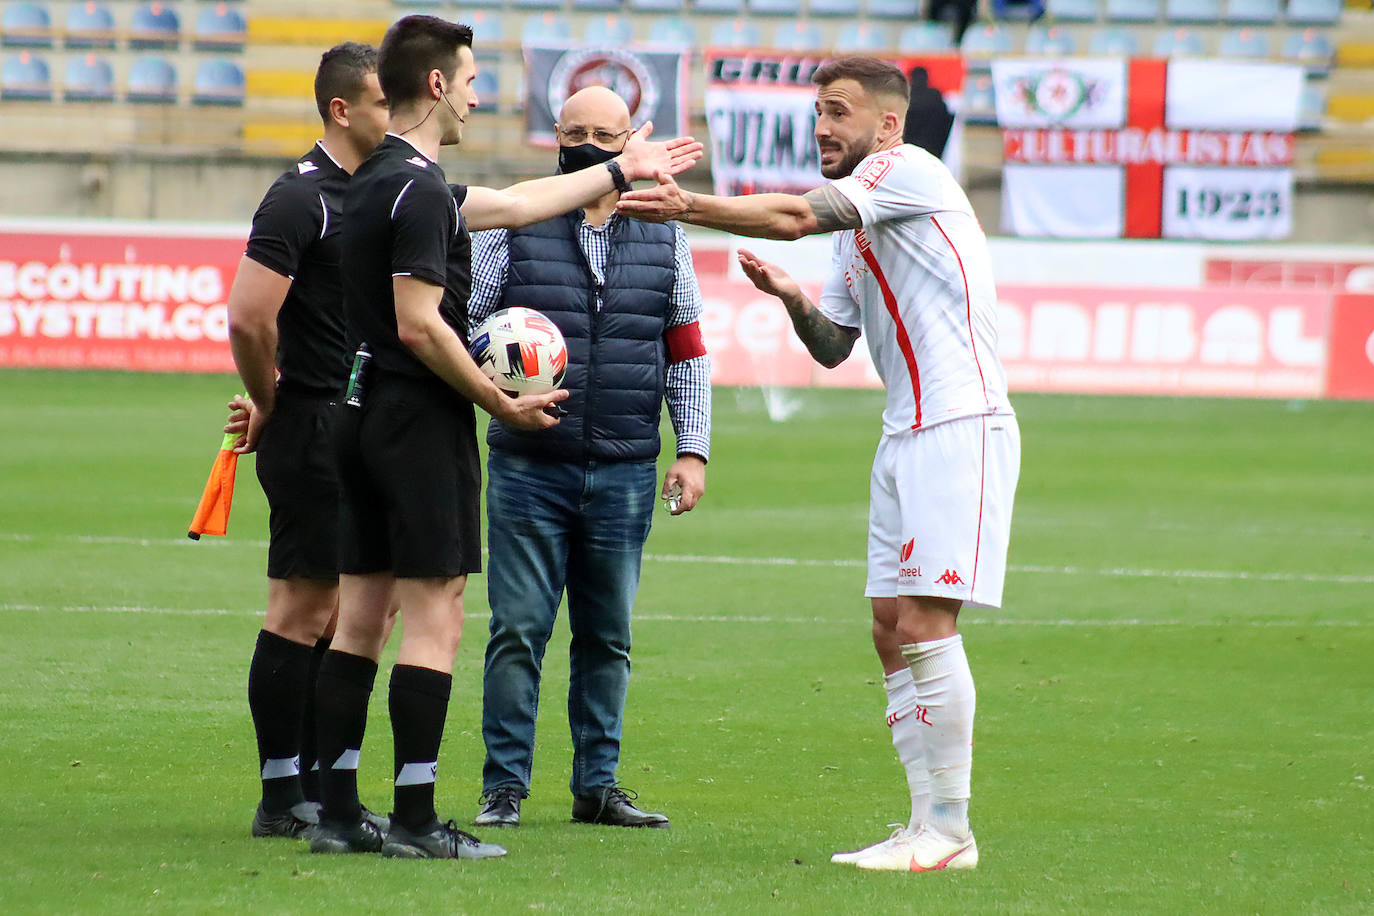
(521, 351)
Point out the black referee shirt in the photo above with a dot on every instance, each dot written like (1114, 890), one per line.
(296, 234)
(401, 218)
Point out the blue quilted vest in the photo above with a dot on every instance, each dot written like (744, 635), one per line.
(616, 356)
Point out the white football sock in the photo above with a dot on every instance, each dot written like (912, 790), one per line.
(946, 700)
(909, 742)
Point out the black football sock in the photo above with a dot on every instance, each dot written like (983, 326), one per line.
(310, 771)
(342, 691)
(277, 681)
(419, 705)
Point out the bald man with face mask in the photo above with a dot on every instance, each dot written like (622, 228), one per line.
(569, 508)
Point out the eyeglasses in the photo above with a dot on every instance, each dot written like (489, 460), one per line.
(580, 135)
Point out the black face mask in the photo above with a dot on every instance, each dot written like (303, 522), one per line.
(577, 158)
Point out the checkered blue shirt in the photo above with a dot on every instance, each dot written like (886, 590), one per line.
(688, 386)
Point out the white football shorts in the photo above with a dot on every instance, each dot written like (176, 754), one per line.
(939, 515)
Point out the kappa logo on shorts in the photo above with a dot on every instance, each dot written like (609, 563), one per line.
(905, 553)
(950, 578)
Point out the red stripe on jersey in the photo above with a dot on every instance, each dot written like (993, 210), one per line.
(968, 309)
(903, 338)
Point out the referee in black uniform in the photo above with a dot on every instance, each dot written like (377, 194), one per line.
(411, 476)
(286, 314)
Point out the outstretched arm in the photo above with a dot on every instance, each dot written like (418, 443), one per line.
(765, 216)
(829, 343)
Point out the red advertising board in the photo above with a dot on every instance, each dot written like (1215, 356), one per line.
(1350, 372)
(116, 298)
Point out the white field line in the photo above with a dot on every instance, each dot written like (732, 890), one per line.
(1123, 623)
(1118, 572)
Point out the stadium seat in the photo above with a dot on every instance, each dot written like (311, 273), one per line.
(735, 34)
(657, 6)
(1309, 48)
(1178, 42)
(1260, 12)
(985, 41)
(538, 4)
(1204, 11)
(1072, 10)
(90, 25)
(488, 28)
(775, 7)
(154, 25)
(545, 27)
(25, 76)
(1312, 107)
(798, 36)
(487, 85)
(1114, 41)
(863, 36)
(834, 7)
(219, 28)
(609, 31)
(591, 5)
(88, 78)
(1132, 10)
(26, 25)
(894, 9)
(720, 7)
(1018, 10)
(1313, 12)
(978, 105)
(672, 31)
(923, 37)
(153, 80)
(1244, 43)
(218, 82)
(1049, 41)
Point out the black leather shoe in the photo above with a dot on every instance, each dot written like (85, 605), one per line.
(612, 806)
(500, 807)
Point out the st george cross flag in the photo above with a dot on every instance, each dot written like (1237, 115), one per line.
(1147, 148)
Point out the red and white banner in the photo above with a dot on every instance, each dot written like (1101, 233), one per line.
(143, 296)
(1147, 148)
(760, 110)
(652, 81)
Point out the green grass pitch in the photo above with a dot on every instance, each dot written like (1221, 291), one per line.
(1176, 705)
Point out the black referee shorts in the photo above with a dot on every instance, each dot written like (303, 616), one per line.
(411, 481)
(295, 465)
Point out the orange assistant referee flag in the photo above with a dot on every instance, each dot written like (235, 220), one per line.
(212, 515)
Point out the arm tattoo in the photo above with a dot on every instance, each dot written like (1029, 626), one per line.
(833, 210)
(829, 343)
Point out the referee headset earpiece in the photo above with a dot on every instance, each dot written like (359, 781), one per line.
(443, 94)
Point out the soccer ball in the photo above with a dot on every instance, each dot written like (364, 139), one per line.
(521, 351)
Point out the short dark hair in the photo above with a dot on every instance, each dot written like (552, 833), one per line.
(341, 73)
(412, 47)
(875, 76)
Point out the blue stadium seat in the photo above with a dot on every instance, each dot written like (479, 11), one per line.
(658, 6)
(894, 9)
(1260, 12)
(487, 85)
(1310, 48)
(538, 4)
(672, 30)
(220, 28)
(488, 28)
(722, 7)
(1313, 12)
(923, 37)
(736, 34)
(1178, 42)
(985, 41)
(1246, 44)
(609, 31)
(1049, 41)
(978, 105)
(545, 27)
(1114, 41)
(26, 25)
(89, 78)
(1312, 107)
(1072, 10)
(834, 7)
(152, 79)
(1206, 11)
(775, 7)
(1132, 10)
(25, 76)
(154, 26)
(218, 82)
(1018, 10)
(798, 36)
(90, 25)
(863, 36)
(592, 5)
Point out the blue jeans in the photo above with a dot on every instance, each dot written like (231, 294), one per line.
(556, 525)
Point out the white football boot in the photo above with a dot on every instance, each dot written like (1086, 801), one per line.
(849, 858)
(925, 850)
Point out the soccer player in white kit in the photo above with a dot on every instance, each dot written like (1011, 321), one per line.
(913, 275)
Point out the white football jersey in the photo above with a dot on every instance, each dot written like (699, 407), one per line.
(917, 281)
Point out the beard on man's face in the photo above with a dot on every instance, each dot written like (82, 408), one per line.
(857, 152)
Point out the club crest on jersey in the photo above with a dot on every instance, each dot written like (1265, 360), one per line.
(306, 167)
(870, 175)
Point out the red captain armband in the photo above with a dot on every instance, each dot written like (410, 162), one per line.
(684, 342)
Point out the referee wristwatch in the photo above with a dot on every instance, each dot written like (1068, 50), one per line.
(618, 177)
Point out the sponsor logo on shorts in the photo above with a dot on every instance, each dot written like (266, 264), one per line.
(950, 578)
(906, 550)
